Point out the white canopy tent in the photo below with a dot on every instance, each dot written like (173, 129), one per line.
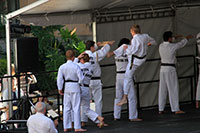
(111, 20)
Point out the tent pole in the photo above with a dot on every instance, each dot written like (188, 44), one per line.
(8, 52)
(94, 31)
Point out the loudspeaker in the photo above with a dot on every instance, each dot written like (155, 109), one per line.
(26, 54)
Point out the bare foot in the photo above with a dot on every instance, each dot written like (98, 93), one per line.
(136, 120)
(161, 112)
(83, 124)
(68, 130)
(179, 112)
(80, 130)
(116, 119)
(100, 118)
(123, 101)
(101, 123)
(100, 126)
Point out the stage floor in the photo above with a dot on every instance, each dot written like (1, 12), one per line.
(152, 122)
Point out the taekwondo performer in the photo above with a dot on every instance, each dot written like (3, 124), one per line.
(95, 83)
(136, 57)
(87, 70)
(168, 76)
(69, 77)
(121, 61)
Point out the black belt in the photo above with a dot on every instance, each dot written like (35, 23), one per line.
(121, 71)
(138, 56)
(121, 60)
(71, 81)
(95, 78)
(168, 64)
(84, 85)
(135, 56)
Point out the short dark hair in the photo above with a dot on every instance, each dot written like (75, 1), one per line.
(124, 41)
(69, 54)
(167, 35)
(86, 57)
(89, 44)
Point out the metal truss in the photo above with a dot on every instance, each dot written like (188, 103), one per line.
(127, 16)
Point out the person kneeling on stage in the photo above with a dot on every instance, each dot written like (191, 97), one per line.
(39, 123)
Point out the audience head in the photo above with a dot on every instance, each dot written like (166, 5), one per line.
(135, 29)
(90, 45)
(70, 55)
(124, 41)
(40, 107)
(167, 36)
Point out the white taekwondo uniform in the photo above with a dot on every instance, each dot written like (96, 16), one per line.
(39, 123)
(86, 112)
(95, 83)
(121, 62)
(70, 75)
(136, 52)
(198, 84)
(168, 75)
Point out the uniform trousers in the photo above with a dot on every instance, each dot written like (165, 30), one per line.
(132, 100)
(72, 102)
(128, 79)
(86, 112)
(198, 88)
(169, 84)
(96, 93)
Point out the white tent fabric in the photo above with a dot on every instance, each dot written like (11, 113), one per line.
(185, 22)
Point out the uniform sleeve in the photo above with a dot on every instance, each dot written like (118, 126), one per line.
(180, 44)
(76, 60)
(135, 45)
(80, 75)
(119, 51)
(100, 54)
(151, 40)
(52, 127)
(60, 79)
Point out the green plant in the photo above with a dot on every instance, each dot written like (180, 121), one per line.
(52, 51)
(71, 41)
(3, 68)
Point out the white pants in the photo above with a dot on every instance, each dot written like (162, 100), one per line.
(71, 103)
(96, 93)
(198, 88)
(128, 79)
(132, 100)
(169, 84)
(86, 112)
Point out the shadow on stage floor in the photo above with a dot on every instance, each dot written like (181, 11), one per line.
(152, 122)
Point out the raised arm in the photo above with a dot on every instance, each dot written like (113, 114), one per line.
(100, 54)
(151, 41)
(183, 42)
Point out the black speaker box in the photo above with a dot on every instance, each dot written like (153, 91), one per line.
(26, 54)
